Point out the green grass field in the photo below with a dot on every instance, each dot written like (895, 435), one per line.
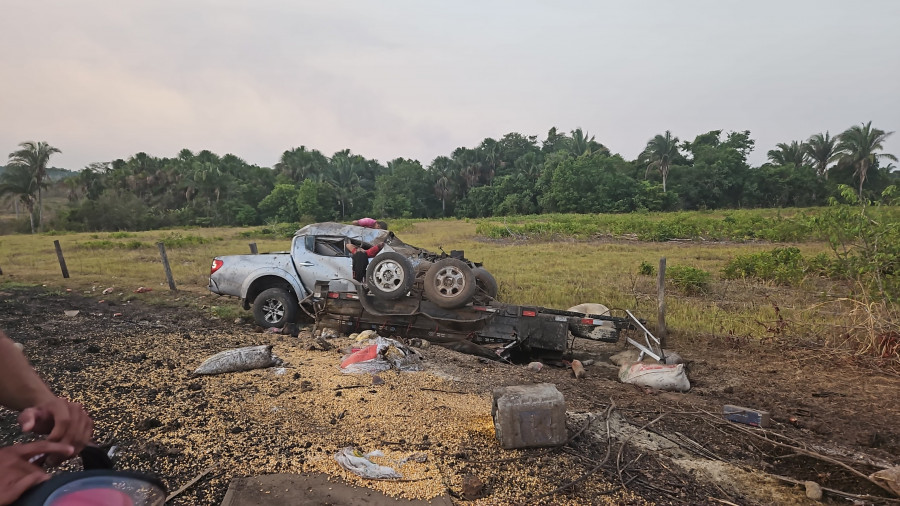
(560, 273)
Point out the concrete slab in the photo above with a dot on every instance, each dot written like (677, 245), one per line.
(310, 489)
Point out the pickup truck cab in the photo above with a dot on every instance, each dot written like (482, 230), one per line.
(276, 284)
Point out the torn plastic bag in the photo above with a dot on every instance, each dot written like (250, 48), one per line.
(381, 356)
(354, 461)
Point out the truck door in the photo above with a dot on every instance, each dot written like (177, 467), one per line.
(320, 258)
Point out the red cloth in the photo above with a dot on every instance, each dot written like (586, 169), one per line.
(371, 252)
(367, 353)
(366, 222)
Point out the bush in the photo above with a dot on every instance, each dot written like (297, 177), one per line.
(646, 269)
(690, 280)
(782, 265)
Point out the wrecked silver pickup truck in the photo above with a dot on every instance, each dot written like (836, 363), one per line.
(408, 292)
(276, 284)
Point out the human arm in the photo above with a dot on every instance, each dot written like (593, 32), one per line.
(18, 473)
(20, 386)
(371, 252)
(42, 412)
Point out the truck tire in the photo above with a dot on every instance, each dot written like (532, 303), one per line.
(274, 307)
(389, 275)
(485, 282)
(450, 283)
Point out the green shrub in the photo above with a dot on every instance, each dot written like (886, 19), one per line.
(690, 280)
(646, 269)
(782, 265)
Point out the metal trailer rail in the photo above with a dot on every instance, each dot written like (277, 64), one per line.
(534, 330)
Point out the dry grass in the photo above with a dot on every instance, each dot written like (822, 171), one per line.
(557, 274)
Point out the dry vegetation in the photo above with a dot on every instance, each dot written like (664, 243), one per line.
(749, 343)
(548, 273)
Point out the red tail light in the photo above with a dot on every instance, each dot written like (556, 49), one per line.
(216, 265)
(529, 313)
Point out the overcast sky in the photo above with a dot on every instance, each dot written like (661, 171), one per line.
(105, 79)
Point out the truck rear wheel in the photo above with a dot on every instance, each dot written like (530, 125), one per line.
(389, 275)
(449, 283)
(485, 282)
(274, 307)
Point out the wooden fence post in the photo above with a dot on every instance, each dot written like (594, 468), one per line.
(661, 331)
(253, 250)
(62, 261)
(165, 261)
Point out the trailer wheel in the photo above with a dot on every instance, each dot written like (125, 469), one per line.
(450, 283)
(389, 275)
(485, 282)
(274, 307)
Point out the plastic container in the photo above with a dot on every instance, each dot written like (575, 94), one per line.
(527, 416)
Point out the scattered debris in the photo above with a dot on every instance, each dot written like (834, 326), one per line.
(527, 416)
(578, 369)
(813, 490)
(754, 417)
(672, 357)
(71, 312)
(107, 291)
(365, 335)
(419, 343)
(329, 334)
(354, 461)
(117, 314)
(628, 356)
(239, 359)
(535, 366)
(472, 487)
(658, 376)
(143, 289)
(587, 362)
(419, 457)
(381, 356)
(888, 479)
(325, 345)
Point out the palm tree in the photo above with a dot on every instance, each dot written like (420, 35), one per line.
(822, 150)
(660, 152)
(582, 144)
(785, 154)
(299, 163)
(35, 156)
(442, 171)
(859, 145)
(18, 182)
(343, 176)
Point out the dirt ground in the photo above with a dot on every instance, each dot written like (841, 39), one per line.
(130, 363)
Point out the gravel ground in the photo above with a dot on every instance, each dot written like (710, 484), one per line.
(130, 363)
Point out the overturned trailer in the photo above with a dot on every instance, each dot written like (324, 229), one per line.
(492, 330)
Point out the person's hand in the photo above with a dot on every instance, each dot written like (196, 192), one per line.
(64, 422)
(18, 474)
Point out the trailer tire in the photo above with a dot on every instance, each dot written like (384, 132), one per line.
(450, 283)
(485, 282)
(389, 275)
(274, 307)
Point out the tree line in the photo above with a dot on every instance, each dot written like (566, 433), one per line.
(513, 175)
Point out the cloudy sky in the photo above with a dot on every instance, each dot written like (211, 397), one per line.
(105, 79)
